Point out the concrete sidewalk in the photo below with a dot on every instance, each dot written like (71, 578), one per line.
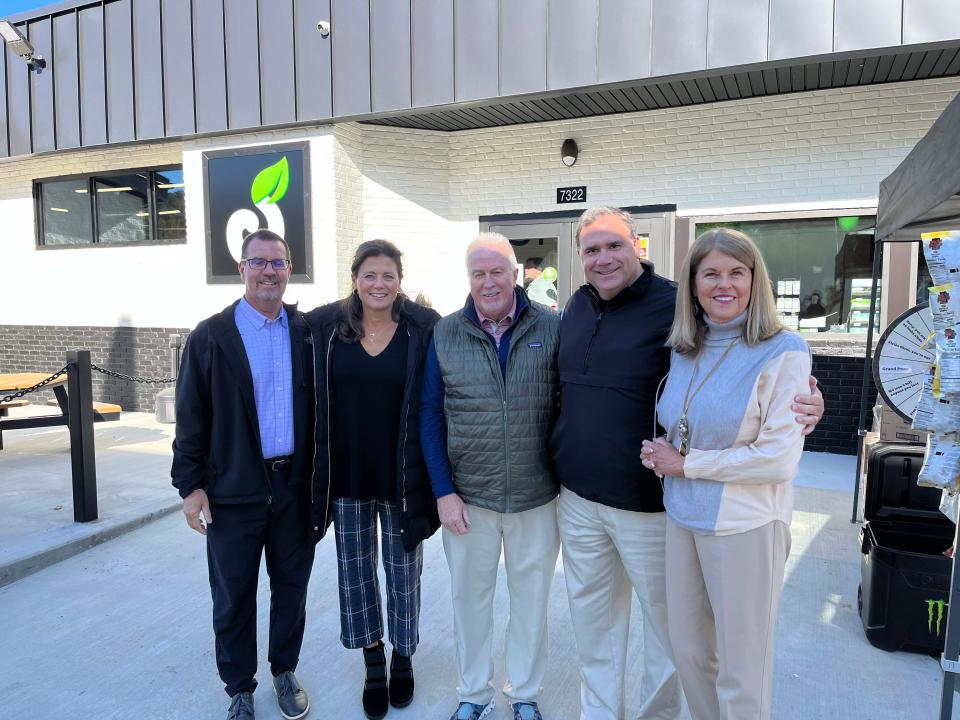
(123, 630)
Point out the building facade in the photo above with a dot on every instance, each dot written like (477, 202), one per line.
(161, 130)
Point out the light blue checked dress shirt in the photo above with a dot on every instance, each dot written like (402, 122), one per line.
(268, 352)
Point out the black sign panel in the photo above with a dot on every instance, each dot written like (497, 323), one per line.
(576, 194)
(251, 188)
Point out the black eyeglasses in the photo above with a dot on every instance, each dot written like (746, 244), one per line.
(258, 263)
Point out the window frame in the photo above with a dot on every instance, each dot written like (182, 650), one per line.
(94, 231)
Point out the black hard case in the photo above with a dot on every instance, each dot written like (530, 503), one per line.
(905, 578)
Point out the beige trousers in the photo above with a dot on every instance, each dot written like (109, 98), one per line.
(723, 594)
(605, 550)
(530, 546)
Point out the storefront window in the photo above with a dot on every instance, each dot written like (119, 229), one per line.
(65, 212)
(820, 269)
(137, 206)
(168, 189)
(123, 208)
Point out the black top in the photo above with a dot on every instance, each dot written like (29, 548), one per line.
(612, 357)
(367, 404)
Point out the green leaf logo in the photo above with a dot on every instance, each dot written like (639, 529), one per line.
(271, 182)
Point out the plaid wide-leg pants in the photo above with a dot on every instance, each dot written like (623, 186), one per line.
(361, 619)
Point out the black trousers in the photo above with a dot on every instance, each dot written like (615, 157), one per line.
(236, 539)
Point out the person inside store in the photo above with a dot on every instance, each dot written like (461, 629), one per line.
(731, 451)
(814, 308)
(242, 454)
(369, 350)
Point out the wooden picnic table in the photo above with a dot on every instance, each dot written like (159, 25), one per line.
(11, 382)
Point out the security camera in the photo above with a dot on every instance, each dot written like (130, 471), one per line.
(323, 27)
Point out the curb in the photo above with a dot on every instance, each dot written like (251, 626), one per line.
(28, 565)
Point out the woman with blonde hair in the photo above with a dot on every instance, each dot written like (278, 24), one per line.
(728, 460)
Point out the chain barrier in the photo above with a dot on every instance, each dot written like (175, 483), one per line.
(26, 391)
(132, 378)
(111, 373)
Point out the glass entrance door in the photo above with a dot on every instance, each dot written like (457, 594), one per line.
(543, 252)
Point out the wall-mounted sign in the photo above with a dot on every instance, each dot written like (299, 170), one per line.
(576, 194)
(256, 187)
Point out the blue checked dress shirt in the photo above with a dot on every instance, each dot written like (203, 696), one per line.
(268, 351)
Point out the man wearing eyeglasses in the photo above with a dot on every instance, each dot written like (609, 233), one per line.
(242, 464)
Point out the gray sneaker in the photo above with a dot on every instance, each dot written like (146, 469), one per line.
(241, 707)
(526, 711)
(291, 697)
(472, 711)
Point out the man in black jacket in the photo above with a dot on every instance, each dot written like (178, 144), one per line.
(612, 358)
(242, 458)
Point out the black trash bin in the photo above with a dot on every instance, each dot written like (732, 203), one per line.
(904, 576)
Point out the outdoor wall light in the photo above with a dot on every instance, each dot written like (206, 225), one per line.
(569, 152)
(19, 45)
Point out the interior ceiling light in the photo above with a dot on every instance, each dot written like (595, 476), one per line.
(169, 212)
(165, 186)
(19, 45)
(125, 188)
(569, 152)
(53, 209)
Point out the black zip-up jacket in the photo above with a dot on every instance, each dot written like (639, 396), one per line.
(612, 357)
(217, 443)
(418, 519)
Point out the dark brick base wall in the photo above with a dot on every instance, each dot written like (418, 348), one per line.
(143, 352)
(841, 378)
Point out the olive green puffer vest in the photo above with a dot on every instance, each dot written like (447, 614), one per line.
(497, 436)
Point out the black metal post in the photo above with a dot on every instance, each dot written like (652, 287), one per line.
(950, 660)
(80, 422)
(867, 373)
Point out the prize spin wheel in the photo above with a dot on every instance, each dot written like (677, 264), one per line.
(902, 360)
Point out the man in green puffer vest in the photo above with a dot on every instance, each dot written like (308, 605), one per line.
(488, 404)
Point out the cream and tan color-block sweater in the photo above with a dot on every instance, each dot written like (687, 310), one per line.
(745, 443)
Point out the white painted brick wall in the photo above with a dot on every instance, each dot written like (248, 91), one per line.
(426, 190)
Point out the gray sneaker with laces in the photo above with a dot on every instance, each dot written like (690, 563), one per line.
(291, 697)
(241, 707)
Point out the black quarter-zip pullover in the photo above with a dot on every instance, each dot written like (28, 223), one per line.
(612, 357)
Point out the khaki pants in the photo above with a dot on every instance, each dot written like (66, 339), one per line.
(723, 594)
(605, 550)
(530, 546)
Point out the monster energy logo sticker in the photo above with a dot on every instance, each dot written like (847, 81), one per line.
(935, 609)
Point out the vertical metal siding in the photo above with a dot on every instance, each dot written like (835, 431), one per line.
(798, 29)
(390, 54)
(119, 56)
(18, 102)
(623, 40)
(4, 147)
(930, 20)
(209, 63)
(93, 91)
(65, 68)
(571, 44)
(148, 69)
(41, 91)
(314, 94)
(737, 32)
(476, 49)
(178, 107)
(432, 40)
(243, 64)
(350, 30)
(679, 36)
(862, 24)
(523, 47)
(278, 70)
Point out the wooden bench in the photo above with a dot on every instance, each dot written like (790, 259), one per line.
(102, 412)
(5, 407)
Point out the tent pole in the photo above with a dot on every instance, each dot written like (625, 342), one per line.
(867, 368)
(950, 660)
